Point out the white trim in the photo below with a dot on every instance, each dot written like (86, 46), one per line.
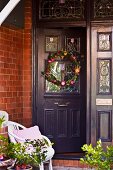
(7, 10)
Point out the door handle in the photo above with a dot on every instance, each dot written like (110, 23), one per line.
(62, 105)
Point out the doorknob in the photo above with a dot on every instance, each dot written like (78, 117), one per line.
(62, 105)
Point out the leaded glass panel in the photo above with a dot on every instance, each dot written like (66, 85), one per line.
(51, 43)
(104, 41)
(73, 44)
(56, 9)
(104, 76)
(103, 8)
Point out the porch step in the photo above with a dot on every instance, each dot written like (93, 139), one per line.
(66, 165)
(68, 156)
(69, 165)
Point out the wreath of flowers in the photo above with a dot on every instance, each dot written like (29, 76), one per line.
(74, 68)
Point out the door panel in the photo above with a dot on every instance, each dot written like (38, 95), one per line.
(101, 91)
(62, 115)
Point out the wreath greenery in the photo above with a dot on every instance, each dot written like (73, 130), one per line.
(73, 68)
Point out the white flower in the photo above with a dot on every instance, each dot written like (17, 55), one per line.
(30, 149)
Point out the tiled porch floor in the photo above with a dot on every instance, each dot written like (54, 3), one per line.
(64, 168)
(69, 168)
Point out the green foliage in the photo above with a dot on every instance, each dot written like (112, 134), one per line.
(27, 153)
(3, 145)
(2, 119)
(31, 152)
(96, 157)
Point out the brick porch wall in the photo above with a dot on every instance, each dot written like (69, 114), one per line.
(11, 75)
(15, 70)
(27, 65)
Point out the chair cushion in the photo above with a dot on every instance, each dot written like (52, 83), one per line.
(28, 133)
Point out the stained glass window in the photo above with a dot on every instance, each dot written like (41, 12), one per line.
(51, 43)
(104, 41)
(72, 44)
(56, 9)
(103, 9)
(104, 76)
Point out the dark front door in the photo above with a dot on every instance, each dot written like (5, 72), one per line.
(61, 113)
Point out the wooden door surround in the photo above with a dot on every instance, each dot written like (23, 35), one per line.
(101, 84)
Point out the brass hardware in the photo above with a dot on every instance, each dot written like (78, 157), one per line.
(56, 103)
(62, 105)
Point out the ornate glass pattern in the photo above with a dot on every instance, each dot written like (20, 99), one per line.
(104, 76)
(55, 9)
(73, 44)
(104, 41)
(51, 43)
(61, 70)
(103, 8)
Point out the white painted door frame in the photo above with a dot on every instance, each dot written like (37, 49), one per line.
(7, 10)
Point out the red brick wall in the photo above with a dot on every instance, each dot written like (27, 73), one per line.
(11, 75)
(27, 65)
(15, 70)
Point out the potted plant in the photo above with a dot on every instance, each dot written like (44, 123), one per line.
(3, 137)
(25, 155)
(98, 158)
(3, 147)
(4, 160)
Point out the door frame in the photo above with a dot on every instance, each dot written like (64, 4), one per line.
(35, 25)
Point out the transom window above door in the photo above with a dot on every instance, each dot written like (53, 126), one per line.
(58, 9)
